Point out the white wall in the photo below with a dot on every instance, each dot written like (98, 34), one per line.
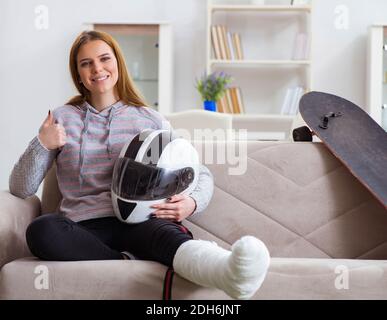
(34, 72)
(340, 55)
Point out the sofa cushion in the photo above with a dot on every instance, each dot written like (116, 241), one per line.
(106, 279)
(299, 278)
(114, 279)
(288, 278)
(299, 200)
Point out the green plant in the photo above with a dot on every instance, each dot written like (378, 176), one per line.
(212, 87)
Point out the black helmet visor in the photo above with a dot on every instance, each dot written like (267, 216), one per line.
(136, 181)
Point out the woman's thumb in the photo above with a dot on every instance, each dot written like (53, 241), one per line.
(49, 119)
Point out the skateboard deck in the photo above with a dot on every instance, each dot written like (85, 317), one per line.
(351, 135)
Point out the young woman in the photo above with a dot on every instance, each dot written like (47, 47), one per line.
(85, 137)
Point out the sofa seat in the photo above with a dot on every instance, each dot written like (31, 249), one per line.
(288, 278)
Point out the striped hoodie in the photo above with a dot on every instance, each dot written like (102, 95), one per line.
(85, 164)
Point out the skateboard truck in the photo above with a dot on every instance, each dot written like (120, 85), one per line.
(325, 119)
(305, 134)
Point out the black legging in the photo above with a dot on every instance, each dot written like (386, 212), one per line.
(55, 237)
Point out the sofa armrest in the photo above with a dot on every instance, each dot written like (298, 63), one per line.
(15, 216)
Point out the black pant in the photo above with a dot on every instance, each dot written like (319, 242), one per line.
(55, 237)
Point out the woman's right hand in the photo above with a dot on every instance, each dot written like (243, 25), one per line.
(52, 135)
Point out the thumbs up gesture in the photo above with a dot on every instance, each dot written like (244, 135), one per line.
(51, 134)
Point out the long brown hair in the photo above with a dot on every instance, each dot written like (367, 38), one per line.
(125, 86)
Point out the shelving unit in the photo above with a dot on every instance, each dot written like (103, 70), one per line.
(377, 74)
(147, 47)
(268, 70)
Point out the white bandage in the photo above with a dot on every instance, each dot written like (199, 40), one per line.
(239, 272)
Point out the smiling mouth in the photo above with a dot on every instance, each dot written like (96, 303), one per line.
(99, 79)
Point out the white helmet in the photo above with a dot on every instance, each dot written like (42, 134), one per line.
(152, 167)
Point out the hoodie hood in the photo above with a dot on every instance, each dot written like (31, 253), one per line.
(107, 115)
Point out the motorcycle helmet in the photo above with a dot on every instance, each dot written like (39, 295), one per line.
(152, 167)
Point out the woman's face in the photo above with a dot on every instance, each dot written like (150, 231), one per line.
(97, 67)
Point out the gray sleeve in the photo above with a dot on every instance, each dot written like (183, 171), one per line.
(30, 170)
(202, 194)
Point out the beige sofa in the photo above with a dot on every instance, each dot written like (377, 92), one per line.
(327, 235)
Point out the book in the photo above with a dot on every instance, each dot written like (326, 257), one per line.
(298, 92)
(225, 41)
(238, 44)
(229, 101)
(234, 99)
(223, 55)
(219, 105)
(233, 39)
(287, 101)
(225, 105)
(292, 100)
(240, 100)
(230, 44)
(215, 42)
(300, 50)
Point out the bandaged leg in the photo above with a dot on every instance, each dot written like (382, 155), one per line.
(239, 272)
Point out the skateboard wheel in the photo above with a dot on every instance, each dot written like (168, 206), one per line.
(302, 134)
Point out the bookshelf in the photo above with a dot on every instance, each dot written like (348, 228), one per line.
(271, 64)
(377, 74)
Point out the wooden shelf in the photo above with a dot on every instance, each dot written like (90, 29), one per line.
(297, 8)
(258, 63)
(253, 116)
(261, 136)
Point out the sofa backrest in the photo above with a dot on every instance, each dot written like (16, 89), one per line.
(296, 197)
(51, 195)
(299, 199)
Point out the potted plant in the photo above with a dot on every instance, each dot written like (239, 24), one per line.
(212, 88)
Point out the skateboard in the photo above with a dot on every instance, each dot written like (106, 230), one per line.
(350, 134)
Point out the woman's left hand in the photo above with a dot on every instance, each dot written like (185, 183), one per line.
(177, 208)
